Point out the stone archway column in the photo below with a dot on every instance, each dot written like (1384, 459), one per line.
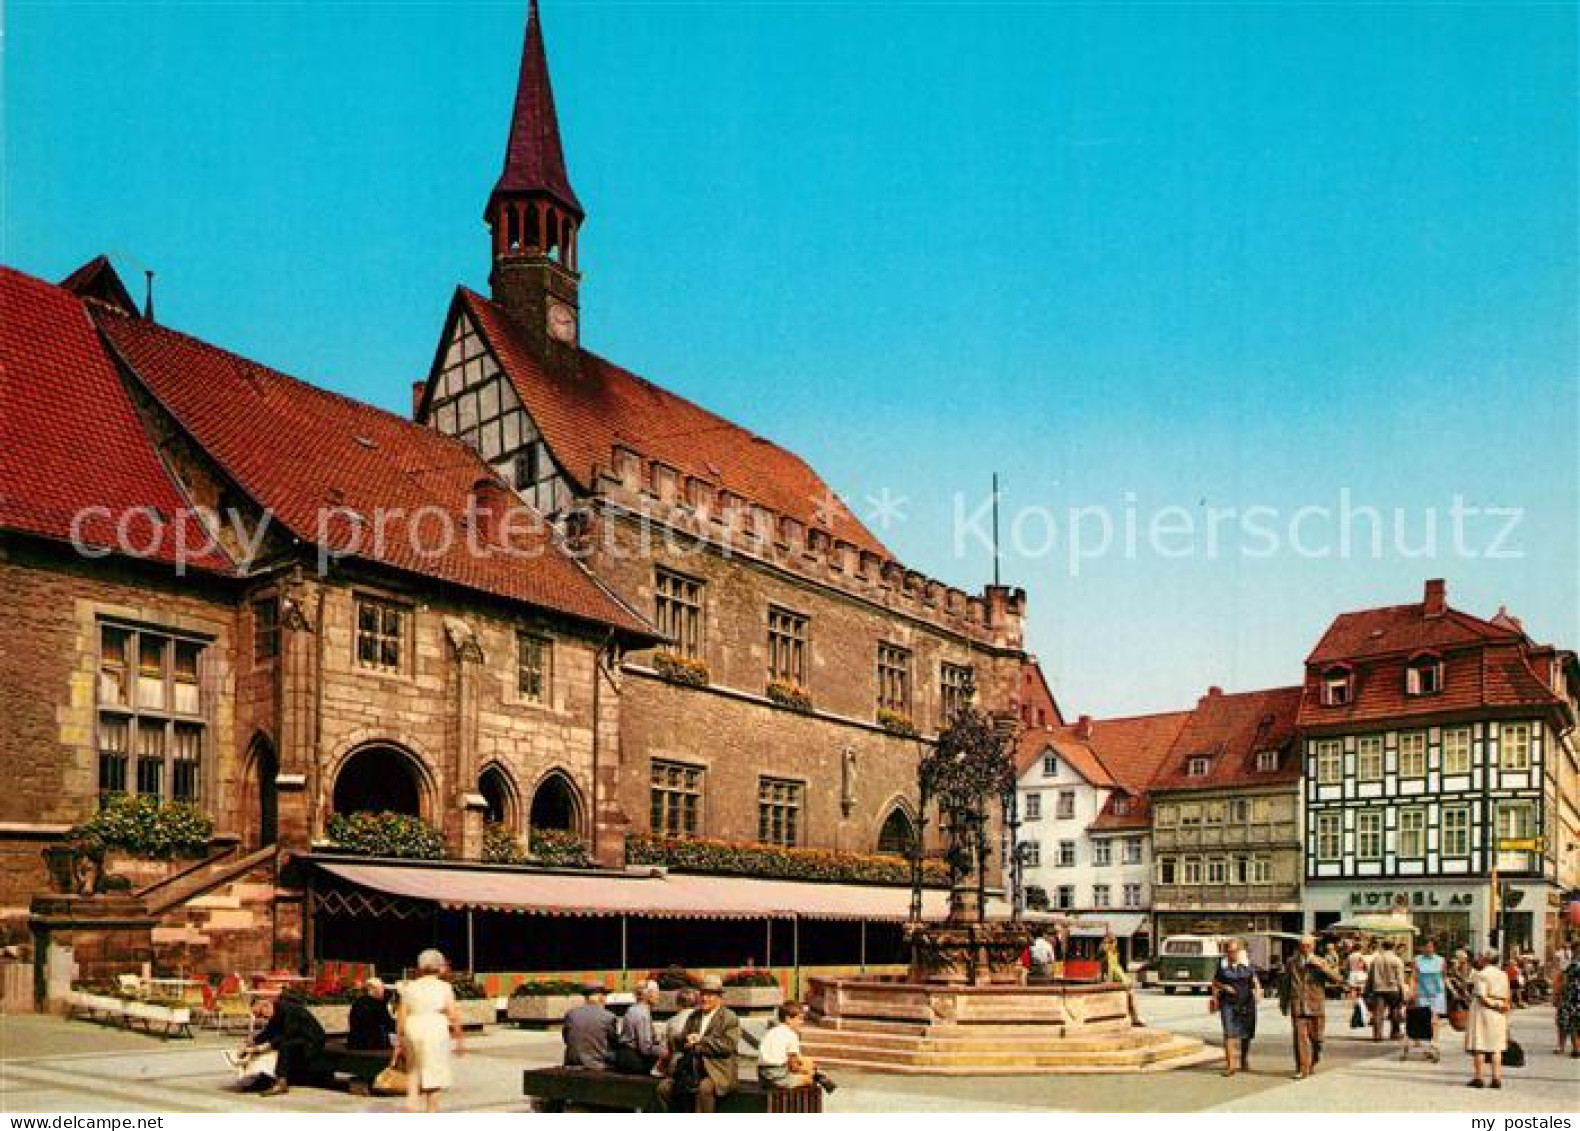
(463, 824)
(297, 698)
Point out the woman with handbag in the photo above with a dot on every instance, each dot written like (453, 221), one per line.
(1235, 995)
(1487, 1034)
(428, 1024)
(1566, 994)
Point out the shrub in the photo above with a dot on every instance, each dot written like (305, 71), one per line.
(695, 854)
(753, 976)
(896, 723)
(549, 987)
(675, 978)
(559, 849)
(386, 834)
(681, 669)
(466, 987)
(146, 827)
(788, 694)
(1036, 898)
(500, 847)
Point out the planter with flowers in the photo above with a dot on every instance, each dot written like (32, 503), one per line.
(681, 669)
(752, 989)
(896, 723)
(789, 694)
(544, 1002)
(671, 980)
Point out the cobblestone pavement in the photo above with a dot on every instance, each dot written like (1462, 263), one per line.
(50, 1065)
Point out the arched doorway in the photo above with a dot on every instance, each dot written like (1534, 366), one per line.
(265, 768)
(499, 796)
(898, 834)
(556, 805)
(379, 779)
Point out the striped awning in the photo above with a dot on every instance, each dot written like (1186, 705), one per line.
(669, 896)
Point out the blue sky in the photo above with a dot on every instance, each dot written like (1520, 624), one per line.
(1129, 257)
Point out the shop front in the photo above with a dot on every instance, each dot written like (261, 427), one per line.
(1456, 914)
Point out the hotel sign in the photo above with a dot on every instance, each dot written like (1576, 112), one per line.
(1417, 899)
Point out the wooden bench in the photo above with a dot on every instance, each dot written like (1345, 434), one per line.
(612, 1091)
(359, 1064)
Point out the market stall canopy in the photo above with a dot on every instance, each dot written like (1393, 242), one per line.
(1120, 926)
(1376, 925)
(669, 895)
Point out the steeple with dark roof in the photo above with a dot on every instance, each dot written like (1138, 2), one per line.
(534, 154)
(535, 218)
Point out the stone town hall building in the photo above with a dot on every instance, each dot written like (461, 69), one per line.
(701, 640)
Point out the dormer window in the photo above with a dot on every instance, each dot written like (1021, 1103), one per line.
(1197, 767)
(1121, 806)
(1266, 761)
(1050, 766)
(1337, 686)
(1424, 675)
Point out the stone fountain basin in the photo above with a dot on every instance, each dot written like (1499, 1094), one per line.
(1069, 1006)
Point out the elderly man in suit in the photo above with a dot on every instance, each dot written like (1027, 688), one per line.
(705, 1053)
(1302, 997)
(589, 1032)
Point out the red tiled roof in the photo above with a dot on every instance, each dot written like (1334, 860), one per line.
(1116, 753)
(301, 451)
(1229, 731)
(1474, 679)
(1137, 816)
(70, 436)
(1401, 629)
(584, 418)
(1034, 741)
(1485, 664)
(534, 154)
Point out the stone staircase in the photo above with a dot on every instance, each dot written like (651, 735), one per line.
(989, 1049)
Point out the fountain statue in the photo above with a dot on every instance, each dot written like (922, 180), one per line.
(964, 1006)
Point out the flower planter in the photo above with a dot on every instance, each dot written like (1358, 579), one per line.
(547, 1009)
(753, 997)
(477, 1012)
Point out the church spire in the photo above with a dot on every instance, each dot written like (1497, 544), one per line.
(533, 214)
(534, 154)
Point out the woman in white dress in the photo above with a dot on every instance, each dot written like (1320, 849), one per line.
(428, 1025)
(1487, 1032)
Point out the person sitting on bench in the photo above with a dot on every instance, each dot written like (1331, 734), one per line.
(780, 1062)
(371, 1025)
(589, 1032)
(703, 1067)
(639, 1045)
(297, 1040)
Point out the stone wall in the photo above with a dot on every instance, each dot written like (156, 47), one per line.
(48, 676)
(853, 770)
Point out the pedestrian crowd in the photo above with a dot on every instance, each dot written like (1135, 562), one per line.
(1398, 1000)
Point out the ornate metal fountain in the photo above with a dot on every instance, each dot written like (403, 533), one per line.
(968, 774)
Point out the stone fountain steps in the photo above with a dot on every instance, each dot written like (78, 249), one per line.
(968, 1031)
(1161, 1051)
(986, 1038)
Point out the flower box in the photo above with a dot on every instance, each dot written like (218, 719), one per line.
(753, 997)
(477, 1012)
(681, 669)
(541, 1008)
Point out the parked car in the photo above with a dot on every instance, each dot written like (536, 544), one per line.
(1189, 961)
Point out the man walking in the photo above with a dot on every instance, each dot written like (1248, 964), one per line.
(1385, 990)
(1302, 997)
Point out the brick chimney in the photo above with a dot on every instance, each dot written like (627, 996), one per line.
(1083, 728)
(490, 501)
(1436, 600)
(417, 389)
